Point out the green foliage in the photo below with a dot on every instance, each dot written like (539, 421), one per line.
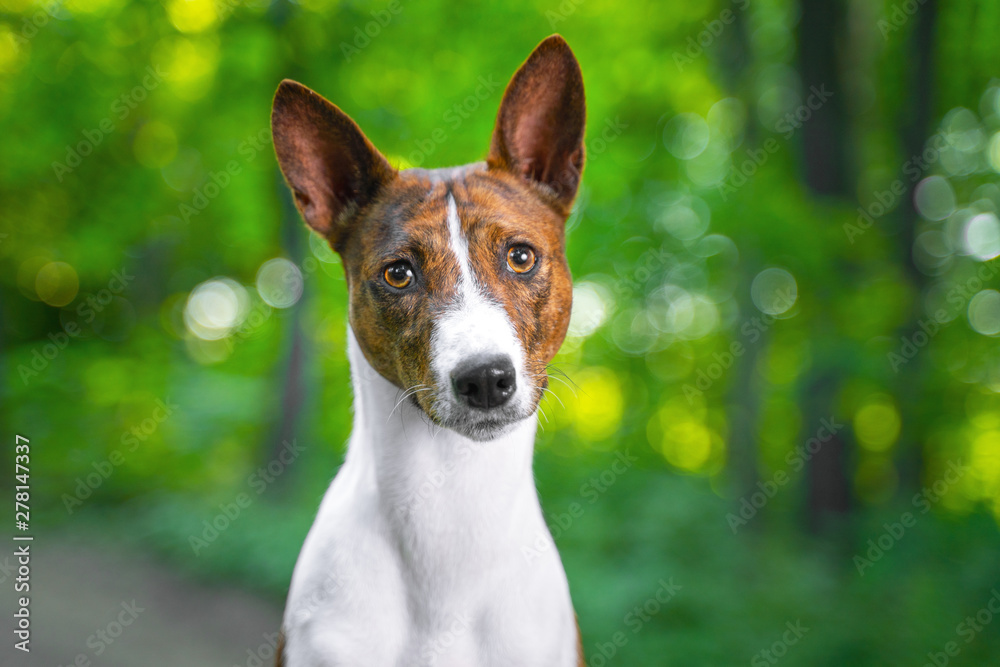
(135, 140)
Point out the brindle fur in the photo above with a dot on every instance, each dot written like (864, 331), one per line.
(497, 210)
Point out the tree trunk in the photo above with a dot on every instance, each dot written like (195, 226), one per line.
(916, 131)
(826, 170)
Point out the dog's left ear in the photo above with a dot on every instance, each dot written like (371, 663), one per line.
(539, 128)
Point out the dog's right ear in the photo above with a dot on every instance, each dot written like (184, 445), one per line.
(331, 167)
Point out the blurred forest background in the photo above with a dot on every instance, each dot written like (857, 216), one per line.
(786, 410)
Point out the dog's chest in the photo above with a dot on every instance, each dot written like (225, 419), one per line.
(447, 598)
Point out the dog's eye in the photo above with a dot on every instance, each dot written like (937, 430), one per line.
(399, 274)
(520, 258)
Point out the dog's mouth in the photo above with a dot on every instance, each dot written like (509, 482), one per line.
(489, 428)
(475, 424)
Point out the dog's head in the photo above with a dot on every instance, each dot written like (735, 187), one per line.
(459, 288)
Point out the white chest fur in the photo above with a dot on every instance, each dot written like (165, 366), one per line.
(418, 553)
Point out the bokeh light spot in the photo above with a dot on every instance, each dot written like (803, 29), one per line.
(774, 291)
(679, 432)
(686, 219)
(727, 119)
(190, 63)
(215, 307)
(591, 307)
(12, 57)
(57, 284)
(686, 135)
(671, 309)
(962, 130)
(877, 424)
(279, 283)
(687, 444)
(632, 330)
(985, 458)
(993, 152)
(982, 236)
(321, 250)
(192, 15)
(934, 198)
(984, 312)
(932, 251)
(711, 166)
(598, 406)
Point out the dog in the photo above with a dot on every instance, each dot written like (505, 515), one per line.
(459, 297)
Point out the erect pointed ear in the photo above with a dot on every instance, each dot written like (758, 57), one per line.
(539, 129)
(331, 167)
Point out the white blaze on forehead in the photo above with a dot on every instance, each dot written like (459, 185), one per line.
(460, 247)
(473, 325)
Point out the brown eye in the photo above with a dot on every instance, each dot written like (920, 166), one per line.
(520, 258)
(399, 275)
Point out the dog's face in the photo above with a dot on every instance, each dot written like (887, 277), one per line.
(459, 289)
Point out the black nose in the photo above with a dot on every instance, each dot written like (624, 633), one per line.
(485, 383)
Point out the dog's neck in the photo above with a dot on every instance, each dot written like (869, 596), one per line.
(434, 488)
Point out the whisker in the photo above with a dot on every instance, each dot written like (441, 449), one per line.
(412, 391)
(559, 373)
(540, 424)
(555, 369)
(570, 386)
(554, 395)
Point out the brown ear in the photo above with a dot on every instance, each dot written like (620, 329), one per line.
(331, 167)
(539, 129)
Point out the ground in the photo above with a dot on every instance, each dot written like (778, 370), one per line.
(118, 608)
